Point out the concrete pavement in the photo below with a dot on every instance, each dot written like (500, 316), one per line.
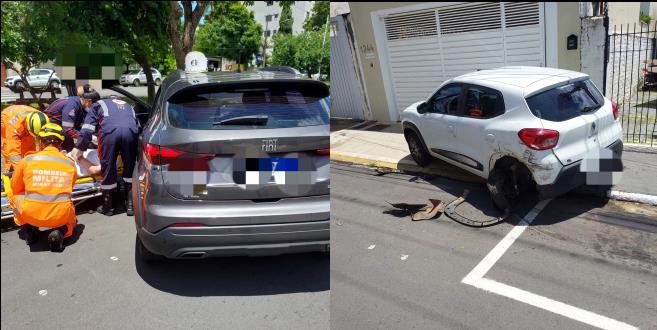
(385, 146)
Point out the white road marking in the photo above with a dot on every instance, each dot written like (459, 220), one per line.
(476, 279)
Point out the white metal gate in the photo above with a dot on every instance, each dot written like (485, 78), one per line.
(425, 48)
(347, 98)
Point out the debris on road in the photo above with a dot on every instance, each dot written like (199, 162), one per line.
(371, 247)
(43, 292)
(418, 212)
(450, 211)
(404, 256)
(113, 258)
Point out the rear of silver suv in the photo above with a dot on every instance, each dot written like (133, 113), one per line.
(237, 165)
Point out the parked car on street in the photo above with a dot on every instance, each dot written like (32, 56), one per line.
(232, 165)
(138, 77)
(517, 127)
(36, 78)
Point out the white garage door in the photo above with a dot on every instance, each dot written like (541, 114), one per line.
(425, 48)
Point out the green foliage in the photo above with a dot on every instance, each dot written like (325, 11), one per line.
(645, 18)
(317, 20)
(286, 22)
(303, 51)
(134, 29)
(230, 31)
(29, 33)
(167, 64)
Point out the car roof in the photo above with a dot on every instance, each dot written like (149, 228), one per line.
(531, 80)
(179, 79)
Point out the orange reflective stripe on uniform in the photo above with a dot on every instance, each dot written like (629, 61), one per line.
(48, 198)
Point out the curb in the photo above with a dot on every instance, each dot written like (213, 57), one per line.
(410, 166)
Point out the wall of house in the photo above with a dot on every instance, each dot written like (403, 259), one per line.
(593, 49)
(568, 23)
(367, 51)
(623, 13)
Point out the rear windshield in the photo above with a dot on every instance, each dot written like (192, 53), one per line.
(252, 108)
(566, 102)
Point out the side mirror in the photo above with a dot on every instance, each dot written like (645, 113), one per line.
(423, 107)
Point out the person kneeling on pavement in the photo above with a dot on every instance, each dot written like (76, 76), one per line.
(42, 184)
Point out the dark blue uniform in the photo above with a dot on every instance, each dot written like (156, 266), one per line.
(68, 113)
(117, 136)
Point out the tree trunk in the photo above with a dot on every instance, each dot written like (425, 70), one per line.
(182, 44)
(146, 65)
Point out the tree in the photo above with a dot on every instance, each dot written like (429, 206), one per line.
(317, 20)
(29, 35)
(303, 51)
(182, 35)
(286, 22)
(230, 31)
(135, 29)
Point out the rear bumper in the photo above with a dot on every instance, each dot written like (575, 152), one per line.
(247, 240)
(570, 176)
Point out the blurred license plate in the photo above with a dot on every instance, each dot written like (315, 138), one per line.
(265, 170)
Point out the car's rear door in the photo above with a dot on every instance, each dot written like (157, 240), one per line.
(246, 140)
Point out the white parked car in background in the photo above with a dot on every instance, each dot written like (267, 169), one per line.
(519, 128)
(36, 78)
(138, 77)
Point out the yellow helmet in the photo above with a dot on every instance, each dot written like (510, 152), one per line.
(52, 129)
(36, 120)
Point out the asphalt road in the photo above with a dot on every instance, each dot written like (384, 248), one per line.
(87, 288)
(388, 272)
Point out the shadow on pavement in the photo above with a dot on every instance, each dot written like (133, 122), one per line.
(238, 276)
(41, 245)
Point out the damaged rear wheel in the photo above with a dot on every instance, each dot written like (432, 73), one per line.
(500, 188)
(420, 155)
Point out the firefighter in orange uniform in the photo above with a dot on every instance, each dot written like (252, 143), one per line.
(42, 184)
(20, 126)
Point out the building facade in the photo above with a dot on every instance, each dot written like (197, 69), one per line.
(268, 14)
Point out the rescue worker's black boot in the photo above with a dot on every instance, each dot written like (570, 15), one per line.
(128, 199)
(29, 232)
(107, 208)
(56, 240)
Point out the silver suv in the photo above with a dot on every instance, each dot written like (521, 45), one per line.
(36, 78)
(138, 77)
(233, 164)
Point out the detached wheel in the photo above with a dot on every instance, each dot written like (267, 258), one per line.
(144, 254)
(135, 83)
(158, 81)
(19, 86)
(500, 188)
(419, 153)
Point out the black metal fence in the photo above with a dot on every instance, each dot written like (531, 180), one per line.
(631, 79)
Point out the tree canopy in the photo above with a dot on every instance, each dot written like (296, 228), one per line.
(303, 51)
(317, 20)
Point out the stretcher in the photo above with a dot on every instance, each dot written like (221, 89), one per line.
(85, 188)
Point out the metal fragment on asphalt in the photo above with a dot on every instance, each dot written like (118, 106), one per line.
(43, 292)
(404, 256)
(371, 247)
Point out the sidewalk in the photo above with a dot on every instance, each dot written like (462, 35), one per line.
(381, 145)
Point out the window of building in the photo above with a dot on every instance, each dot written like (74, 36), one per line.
(269, 3)
(268, 18)
(267, 34)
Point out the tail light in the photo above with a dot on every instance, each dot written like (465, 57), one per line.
(614, 110)
(538, 138)
(324, 152)
(176, 159)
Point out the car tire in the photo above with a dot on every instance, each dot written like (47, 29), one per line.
(158, 81)
(144, 254)
(418, 151)
(54, 84)
(500, 189)
(19, 86)
(135, 83)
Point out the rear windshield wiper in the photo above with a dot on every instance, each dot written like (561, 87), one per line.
(590, 108)
(244, 120)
